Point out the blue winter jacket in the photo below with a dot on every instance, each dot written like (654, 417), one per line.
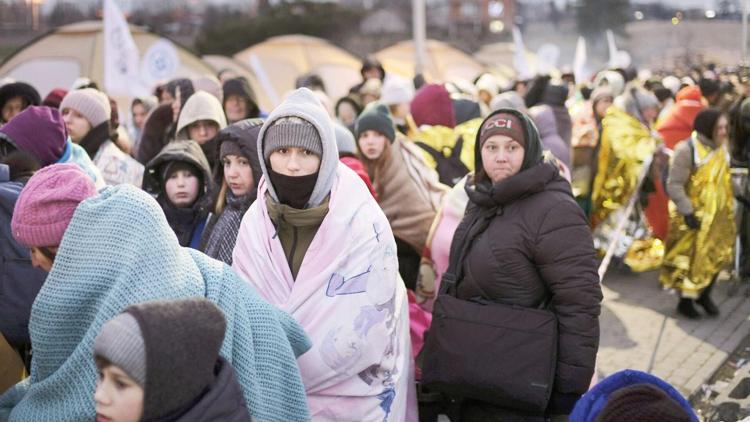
(19, 281)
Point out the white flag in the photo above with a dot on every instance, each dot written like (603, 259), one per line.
(519, 56)
(612, 49)
(579, 61)
(121, 57)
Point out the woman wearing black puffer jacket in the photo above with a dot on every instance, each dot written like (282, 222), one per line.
(524, 241)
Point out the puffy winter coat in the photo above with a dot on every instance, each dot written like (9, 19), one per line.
(544, 117)
(526, 240)
(19, 281)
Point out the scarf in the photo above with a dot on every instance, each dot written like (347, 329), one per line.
(223, 234)
(347, 296)
(294, 191)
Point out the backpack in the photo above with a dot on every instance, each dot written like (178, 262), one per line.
(450, 169)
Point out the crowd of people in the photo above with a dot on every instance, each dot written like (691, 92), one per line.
(409, 250)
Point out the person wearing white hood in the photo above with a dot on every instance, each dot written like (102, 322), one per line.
(201, 118)
(317, 245)
(397, 94)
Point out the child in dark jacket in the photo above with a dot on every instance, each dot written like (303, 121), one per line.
(160, 361)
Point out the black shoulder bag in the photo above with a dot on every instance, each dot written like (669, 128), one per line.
(495, 353)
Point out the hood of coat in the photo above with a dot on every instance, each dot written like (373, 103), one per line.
(187, 151)
(95, 138)
(302, 103)
(200, 106)
(245, 134)
(544, 117)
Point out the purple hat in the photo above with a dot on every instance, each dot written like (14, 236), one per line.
(47, 203)
(39, 131)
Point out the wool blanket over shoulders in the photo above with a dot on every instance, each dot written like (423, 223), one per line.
(119, 251)
(347, 296)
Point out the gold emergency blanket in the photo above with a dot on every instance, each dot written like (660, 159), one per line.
(443, 139)
(626, 143)
(693, 257)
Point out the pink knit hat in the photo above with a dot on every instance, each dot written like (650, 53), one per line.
(46, 204)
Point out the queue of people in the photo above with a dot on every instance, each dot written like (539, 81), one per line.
(356, 262)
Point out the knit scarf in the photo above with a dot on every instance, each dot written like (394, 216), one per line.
(223, 235)
(347, 296)
(118, 251)
(182, 220)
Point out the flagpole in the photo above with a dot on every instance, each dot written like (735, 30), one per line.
(420, 35)
(743, 56)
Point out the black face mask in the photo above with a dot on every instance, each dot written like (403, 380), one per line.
(294, 191)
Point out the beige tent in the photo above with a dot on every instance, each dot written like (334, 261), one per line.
(278, 61)
(444, 63)
(58, 58)
(219, 63)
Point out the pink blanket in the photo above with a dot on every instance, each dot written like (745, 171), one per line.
(349, 299)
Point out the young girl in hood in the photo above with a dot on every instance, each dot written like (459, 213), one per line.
(237, 174)
(201, 118)
(408, 191)
(181, 177)
(316, 245)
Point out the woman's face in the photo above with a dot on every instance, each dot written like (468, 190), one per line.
(139, 115)
(650, 114)
(118, 397)
(40, 260)
(602, 106)
(372, 144)
(76, 124)
(502, 157)
(294, 162)
(182, 188)
(235, 107)
(203, 131)
(721, 130)
(346, 113)
(238, 174)
(12, 107)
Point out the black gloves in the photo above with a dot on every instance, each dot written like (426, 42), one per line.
(692, 222)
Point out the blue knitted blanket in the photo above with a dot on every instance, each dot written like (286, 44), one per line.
(118, 251)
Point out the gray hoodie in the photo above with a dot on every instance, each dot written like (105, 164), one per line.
(302, 103)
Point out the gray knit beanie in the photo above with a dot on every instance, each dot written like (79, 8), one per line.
(92, 104)
(120, 342)
(290, 132)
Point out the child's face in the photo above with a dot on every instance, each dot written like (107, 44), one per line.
(182, 188)
(118, 397)
(372, 144)
(76, 124)
(238, 174)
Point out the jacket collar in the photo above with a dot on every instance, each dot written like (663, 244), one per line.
(525, 183)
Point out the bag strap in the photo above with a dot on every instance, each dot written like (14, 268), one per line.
(435, 154)
(453, 275)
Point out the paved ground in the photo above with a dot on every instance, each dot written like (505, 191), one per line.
(641, 330)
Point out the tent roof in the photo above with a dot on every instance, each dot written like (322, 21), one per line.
(444, 62)
(278, 61)
(59, 57)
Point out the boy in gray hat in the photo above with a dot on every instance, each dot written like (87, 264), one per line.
(160, 361)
